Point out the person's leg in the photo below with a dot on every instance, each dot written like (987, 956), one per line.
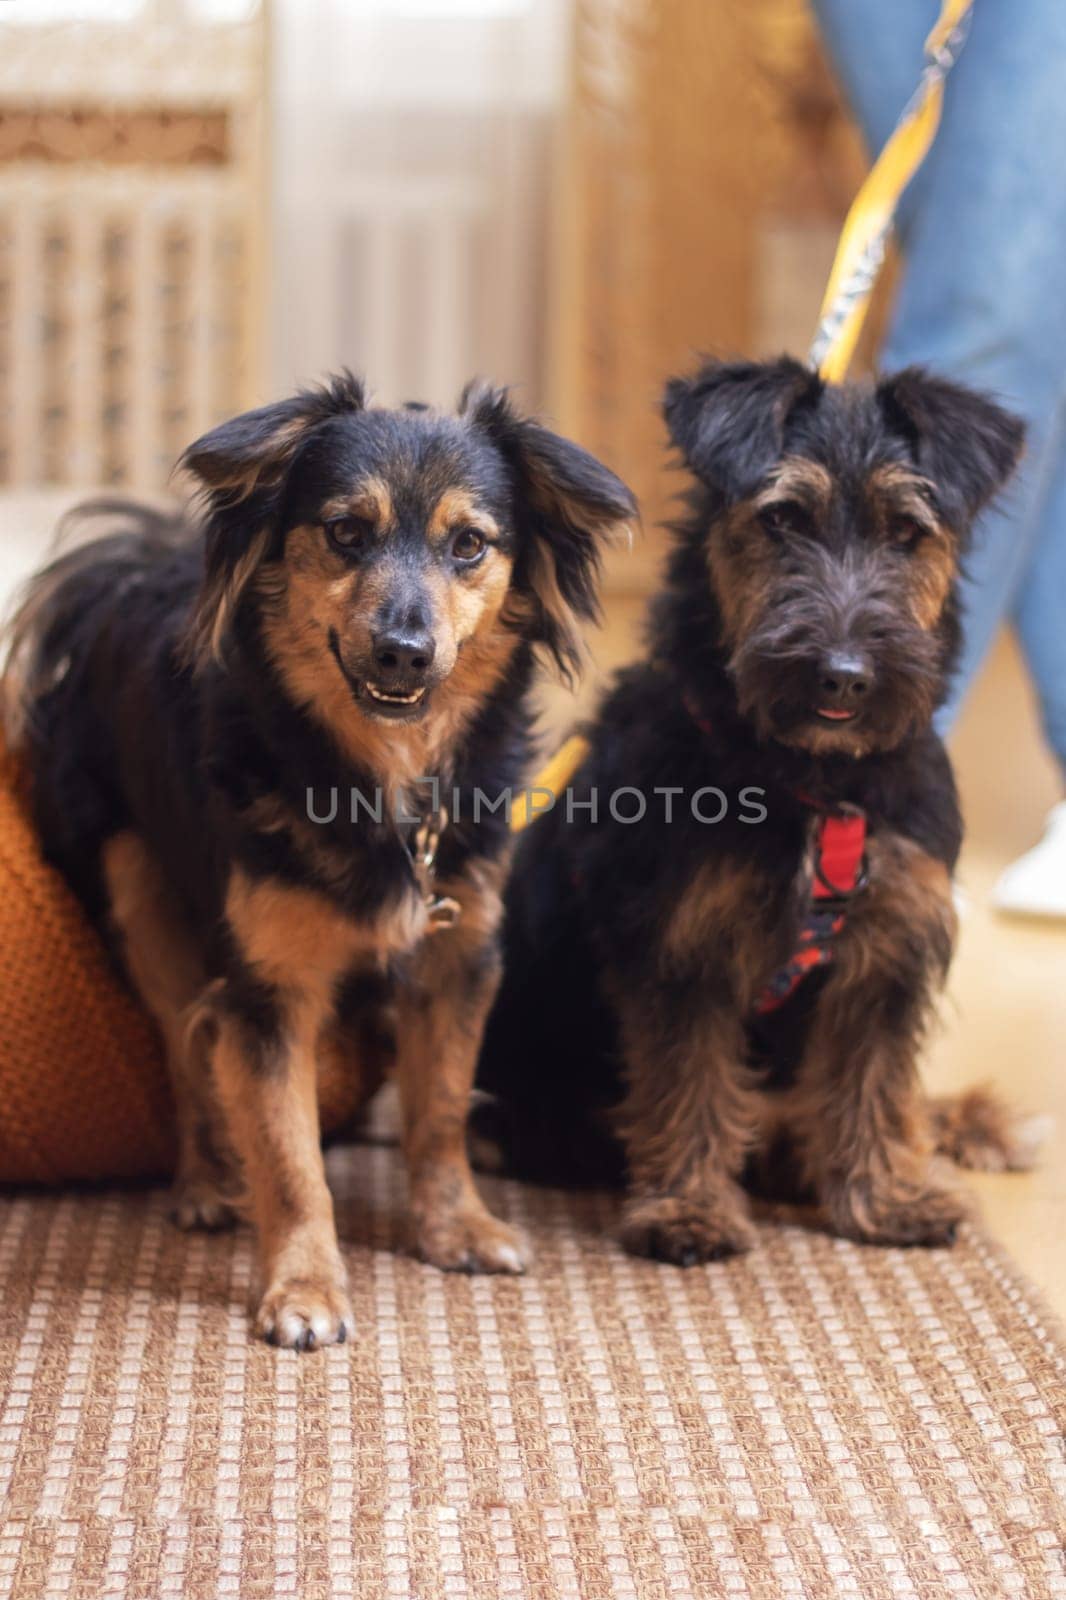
(983, 251)
(982, 231)
(1040, 612)
(983, 247)
(876, 50)
(1036, 884)
(996, 569)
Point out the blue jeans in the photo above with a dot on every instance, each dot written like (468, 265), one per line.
(983, 296)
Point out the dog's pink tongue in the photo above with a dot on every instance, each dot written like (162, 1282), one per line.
(836, 716)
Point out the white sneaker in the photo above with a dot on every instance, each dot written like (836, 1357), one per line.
(1035, 885)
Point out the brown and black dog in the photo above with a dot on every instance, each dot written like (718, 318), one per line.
(743, 912)
(226, 722)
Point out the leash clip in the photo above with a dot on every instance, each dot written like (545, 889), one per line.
(835, 897)
(834, 903)
(441, 909)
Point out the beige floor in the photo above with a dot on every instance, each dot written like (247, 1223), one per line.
(1004, 1018)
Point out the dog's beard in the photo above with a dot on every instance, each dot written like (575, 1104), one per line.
(776, 682)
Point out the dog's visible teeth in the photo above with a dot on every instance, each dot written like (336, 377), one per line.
(411, 699)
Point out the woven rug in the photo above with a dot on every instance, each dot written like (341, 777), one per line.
(815, 1420)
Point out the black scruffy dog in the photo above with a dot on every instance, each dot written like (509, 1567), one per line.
(748, 965)
(226, 723)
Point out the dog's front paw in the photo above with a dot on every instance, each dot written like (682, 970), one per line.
(470, 1241)
(929, 1216)
(304, 1313)
(686, 1233)
(200, 1203)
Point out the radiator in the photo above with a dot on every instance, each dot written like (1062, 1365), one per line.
(131, 255)
(124, 325)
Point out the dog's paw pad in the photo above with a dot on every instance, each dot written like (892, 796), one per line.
(686, 1235)
(472, 1242)
(929, 1218)
(303, 1315)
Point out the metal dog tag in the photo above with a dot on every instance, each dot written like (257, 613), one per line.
(442, 910)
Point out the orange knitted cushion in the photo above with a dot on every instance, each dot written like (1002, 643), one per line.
(84, 1092)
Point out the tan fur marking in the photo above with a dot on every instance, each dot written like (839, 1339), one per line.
(268, 814)
(861, 1118)
(272, 1114)
(690, 1114)
(738, 573)
(687, 1122)
(297, 941)
(797, 478)
(715, 898)
(933, 571)
(906, 493)
(215, 606)
(371, 498)
(896, 492)
(458, 508)
(243, 476)
(472, 600)
(544, 580)
(166, 968)
(830, 741)
(300, 943)
(161, 955)
(297, 938)
(712, 920)
(544, 493)
(454, 982)
(909, 895)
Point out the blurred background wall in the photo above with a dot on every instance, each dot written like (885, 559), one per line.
(415, 147)
(203, 202)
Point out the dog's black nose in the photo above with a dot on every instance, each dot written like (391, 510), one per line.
(403, 655)
(844, 677)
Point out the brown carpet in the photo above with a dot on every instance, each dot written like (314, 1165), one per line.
(815, 1420)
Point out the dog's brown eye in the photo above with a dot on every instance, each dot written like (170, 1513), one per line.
(782, 521)
(907, 532)
(348, 533)
(468, 544)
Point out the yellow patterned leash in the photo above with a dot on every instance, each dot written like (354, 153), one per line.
(859, 257)
(551, 780)
(866, 231)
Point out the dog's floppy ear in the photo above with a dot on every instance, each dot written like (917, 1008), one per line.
(567, 506)
(240, 467)
(728, 419)
(964, 442)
